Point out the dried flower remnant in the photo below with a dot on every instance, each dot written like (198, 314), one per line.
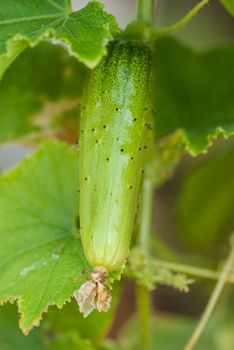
(95, 293)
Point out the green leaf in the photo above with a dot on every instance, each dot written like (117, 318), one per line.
(85, 32)
(229, 5)
(72, 342)
(206, 202)
(194, 93)
(11, 338)
(41, 260)
(167, 333)
(34, 100)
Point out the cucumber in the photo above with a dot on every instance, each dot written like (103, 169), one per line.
(115, 135)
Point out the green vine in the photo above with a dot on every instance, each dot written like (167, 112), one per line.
(194, 271)
(186, 19)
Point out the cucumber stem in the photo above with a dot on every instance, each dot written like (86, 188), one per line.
(146, 11)
(213, 299)
(142, 293)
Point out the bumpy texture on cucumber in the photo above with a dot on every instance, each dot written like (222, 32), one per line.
(114, 139)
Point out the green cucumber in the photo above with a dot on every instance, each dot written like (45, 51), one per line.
(115, 134)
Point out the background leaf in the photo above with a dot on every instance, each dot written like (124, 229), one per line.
(11, 338)
(229, 5)
(84, 32)
(169, 333)
(194, 93)
(205, 204)
(41, 260)
(29, 97)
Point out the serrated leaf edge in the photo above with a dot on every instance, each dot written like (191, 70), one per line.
(50, 33)
(210, 138)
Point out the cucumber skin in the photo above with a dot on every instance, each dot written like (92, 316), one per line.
(115, 133)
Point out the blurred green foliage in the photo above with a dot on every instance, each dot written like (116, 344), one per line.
(229, 5)
(194, 93)
(168, 332)
(205, 205)
(25, 91)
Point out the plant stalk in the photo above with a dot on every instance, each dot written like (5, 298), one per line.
(213, 299)
(146, 11)
(195, 271)
(142, 293)
(144, 312)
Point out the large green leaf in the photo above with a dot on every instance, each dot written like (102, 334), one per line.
(194, 93)
(229, 5)
(41, 260)
(84, 32)
(33, 100)
(205, 204)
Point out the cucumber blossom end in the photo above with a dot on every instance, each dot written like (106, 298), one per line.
(94, 293)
